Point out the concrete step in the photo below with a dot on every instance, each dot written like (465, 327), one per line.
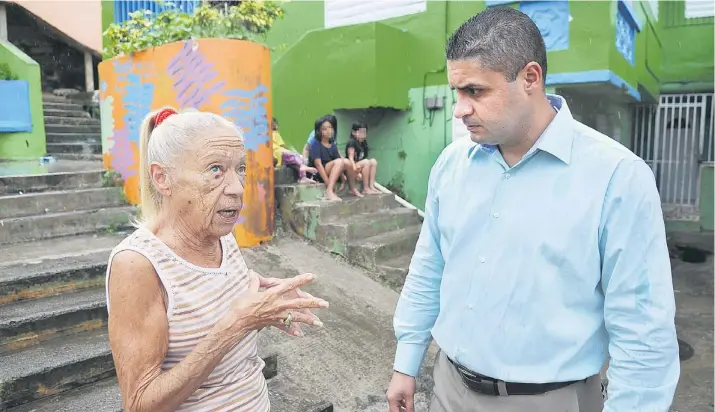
(51, 181)
(303, 217)
(96, 157)
(393, 272)
(54, 366)
(335, 234)
(295, 193)
(47, 254)
(70, 120)
(72, 128)
(26, 323)
(66, 113)
(48, 267)
(53, 225)
(62, 106)
(284, 176)
(101, 396)
(74, 148)
(371, 252)
(63, 201)
(60, 365)
(46, 97)
(104, 396)
(74, 138)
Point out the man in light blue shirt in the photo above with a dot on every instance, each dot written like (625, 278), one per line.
(542, 252)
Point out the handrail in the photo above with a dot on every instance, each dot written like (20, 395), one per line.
(400, 200)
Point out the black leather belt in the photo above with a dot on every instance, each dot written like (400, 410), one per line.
(495, 387)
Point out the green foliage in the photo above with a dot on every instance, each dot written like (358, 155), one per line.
(112, 178)
(6, 73)
(249, 20)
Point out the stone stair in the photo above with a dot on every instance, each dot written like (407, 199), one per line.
(71, 132)
(56, 233)
(374, 232)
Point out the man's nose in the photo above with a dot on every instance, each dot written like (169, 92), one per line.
(462, 107)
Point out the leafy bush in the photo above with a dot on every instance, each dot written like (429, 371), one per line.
(6, 73)
(249, 20)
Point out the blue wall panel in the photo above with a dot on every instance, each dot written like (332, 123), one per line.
(15, 114)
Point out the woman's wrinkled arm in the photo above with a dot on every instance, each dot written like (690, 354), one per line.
(138, 335)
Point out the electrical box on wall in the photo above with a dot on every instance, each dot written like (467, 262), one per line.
(434, 103)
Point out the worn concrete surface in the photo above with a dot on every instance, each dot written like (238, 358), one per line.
(349, 361)
(693, 284)
(33, 167)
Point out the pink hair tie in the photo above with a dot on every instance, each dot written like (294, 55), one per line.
(163, 115)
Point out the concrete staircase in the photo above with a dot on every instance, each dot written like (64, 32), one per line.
(374, 232)
(56, 233)
(71, 132)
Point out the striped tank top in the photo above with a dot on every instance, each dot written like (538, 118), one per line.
(197, 298)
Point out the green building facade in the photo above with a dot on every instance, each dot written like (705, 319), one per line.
(382, 63)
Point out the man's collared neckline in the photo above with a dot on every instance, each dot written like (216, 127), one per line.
(557, 138)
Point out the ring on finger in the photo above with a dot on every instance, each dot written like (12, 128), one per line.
(288, 321)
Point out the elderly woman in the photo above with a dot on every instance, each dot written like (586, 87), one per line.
(185, 309)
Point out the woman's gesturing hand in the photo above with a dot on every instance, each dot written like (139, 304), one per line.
(279, 300)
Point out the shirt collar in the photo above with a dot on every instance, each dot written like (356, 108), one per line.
(557, 139)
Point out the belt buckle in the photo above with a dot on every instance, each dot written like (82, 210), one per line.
(477, 383)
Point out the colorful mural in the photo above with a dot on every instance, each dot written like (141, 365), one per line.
(228, 77)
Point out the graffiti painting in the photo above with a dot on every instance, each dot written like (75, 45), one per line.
(228, 77)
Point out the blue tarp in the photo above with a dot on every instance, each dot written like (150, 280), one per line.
(15, 113)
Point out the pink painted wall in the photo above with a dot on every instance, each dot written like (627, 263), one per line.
(78, 19)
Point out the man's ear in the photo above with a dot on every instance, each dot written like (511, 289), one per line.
(161, 179)
(533, 77)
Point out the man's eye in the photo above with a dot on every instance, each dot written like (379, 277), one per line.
(242, 169)
(215, 169)
(472, 91)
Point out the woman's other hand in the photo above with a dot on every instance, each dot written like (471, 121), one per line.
(258, 308)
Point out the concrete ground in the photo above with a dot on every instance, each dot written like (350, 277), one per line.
(349, 361)
(693, 284)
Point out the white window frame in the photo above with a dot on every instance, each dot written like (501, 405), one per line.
(339, 13)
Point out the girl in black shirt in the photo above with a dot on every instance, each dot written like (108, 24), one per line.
(356, 151)
(325, 157)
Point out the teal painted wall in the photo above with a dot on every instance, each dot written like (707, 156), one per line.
(687, 50)
(29, 145)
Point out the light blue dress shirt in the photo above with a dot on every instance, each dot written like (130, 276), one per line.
(537, 272)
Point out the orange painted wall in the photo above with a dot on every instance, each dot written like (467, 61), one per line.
(227, 77)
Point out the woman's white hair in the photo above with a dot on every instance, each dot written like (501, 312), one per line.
(164, 144)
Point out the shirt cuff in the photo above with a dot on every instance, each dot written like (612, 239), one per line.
(409, 358)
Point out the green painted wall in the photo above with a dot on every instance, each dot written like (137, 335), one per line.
(648, 51)
(24, 145)
(687, 50)
(707, 197)
(107, 19)
(370, 65)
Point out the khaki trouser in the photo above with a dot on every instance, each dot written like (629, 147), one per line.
(451, 395)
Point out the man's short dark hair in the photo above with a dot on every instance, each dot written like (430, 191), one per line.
(501, 39)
